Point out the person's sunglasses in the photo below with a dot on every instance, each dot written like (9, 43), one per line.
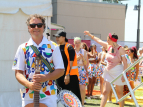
(39, 25)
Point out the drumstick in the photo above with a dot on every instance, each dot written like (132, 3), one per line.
(48, 34)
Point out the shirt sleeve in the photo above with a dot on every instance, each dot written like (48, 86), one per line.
(71, 53)
(57, 59)
(19, 60)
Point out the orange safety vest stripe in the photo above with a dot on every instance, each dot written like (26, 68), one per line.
(73, 71)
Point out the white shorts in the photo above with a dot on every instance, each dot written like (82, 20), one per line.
(50, 102)
(112, 74)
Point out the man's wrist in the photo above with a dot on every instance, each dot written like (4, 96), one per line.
(47, 77)
(27, 85)
(68, 74)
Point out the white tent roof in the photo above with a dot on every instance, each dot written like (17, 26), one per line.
(43, 7)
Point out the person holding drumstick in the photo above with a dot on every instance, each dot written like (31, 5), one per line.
(115, 57)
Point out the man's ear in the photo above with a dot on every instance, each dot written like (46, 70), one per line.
(29, 28)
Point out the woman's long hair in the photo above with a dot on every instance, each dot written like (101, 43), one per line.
(134, 50)
(91, 48)
(85, 45)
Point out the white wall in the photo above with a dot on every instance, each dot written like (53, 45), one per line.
(99, 18)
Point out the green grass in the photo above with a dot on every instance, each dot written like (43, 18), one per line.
(137, 93)
(96, 102)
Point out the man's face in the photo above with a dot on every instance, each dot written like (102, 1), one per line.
(36, 32)
(60, 39)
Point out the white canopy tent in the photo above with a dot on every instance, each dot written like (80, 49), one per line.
(13, 32)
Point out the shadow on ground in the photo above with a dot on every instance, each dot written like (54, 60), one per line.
(92, 104)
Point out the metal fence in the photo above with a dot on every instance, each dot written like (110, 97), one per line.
(128, 84)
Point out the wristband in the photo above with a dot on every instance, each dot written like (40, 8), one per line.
(68, 75)
(92, 37)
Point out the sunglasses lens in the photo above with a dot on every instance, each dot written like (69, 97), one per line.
(32, 25)
(39, 25)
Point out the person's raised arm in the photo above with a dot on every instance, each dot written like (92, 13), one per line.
(99, 41)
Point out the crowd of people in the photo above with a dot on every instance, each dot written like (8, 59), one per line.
(74, 67)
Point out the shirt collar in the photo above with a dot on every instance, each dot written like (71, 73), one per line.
(44, 41)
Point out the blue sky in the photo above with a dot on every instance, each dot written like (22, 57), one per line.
(132, 20)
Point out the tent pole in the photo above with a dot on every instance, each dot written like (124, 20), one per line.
(49, 26)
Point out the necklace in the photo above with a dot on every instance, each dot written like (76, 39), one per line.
(113, 48)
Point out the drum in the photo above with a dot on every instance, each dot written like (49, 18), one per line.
(68, 99)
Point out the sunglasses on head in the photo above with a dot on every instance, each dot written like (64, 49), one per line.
(39, 25)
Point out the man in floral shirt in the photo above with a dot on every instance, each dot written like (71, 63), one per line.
(24, 65)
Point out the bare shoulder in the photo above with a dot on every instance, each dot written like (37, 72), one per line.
(122, 51)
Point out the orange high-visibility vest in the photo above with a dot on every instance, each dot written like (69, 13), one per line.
(74, 69)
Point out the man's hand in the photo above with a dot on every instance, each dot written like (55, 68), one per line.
(67, 79)
(35, 86)
(39, 78)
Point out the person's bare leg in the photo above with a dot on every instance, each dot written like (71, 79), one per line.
(107, 88)
(110, 95)
(92, 85)
(82, 92)
(119, 90)
(101, 84)
(89, 87)
(132, 85)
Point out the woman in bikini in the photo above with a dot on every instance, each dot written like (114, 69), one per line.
(115, 57)
(92, 55)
